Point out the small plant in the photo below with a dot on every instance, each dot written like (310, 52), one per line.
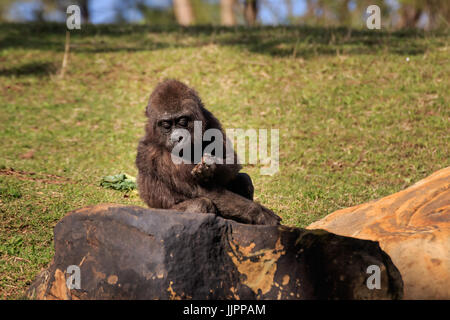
(121, 182)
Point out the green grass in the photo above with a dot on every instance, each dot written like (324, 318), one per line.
(357, 120)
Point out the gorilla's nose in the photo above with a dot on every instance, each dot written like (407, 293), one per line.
(176, 139)
(178, 136)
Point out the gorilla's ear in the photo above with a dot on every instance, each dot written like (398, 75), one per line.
(147, 110)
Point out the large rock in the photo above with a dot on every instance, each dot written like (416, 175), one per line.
(136, 253)
(413, 227)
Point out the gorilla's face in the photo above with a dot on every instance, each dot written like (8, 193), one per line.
(175, 128)
(177, 121)
(172, 111)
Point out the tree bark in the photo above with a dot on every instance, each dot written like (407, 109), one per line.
(227, 13)
(84, 6)
(409, 16)
(250, 11)
(183, 12)
(344, 13)
(290, 10)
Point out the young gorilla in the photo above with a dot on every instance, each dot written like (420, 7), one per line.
(204, 187)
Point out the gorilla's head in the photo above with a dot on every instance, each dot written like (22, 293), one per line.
(172, 109)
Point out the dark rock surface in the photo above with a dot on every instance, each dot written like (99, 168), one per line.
(413, 227)
(137, 253)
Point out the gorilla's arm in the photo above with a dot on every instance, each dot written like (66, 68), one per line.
(161, 183)
(225, 175)
(233, 206)
(242, 185)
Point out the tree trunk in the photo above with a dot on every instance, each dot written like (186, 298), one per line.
(344, 13)
(183, 12)
(250, 11)
(290, 10)
(311, 7)
(226, 12)
(85, 11)
(438, 13)
(409, 16)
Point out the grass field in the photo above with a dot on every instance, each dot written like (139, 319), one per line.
(362, 114)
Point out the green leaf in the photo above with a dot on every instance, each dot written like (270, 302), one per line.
(121, 182)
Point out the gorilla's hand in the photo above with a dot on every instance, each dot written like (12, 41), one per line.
(204, 170)
(261, 215)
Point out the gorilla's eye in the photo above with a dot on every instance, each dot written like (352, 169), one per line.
(165, 124)
(183, 121)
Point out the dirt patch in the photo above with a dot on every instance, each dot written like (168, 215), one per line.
(41, 177)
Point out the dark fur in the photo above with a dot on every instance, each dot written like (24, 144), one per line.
(164, 184)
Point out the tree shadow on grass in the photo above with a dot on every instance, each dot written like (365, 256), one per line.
(35, 68)
(283, 41)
